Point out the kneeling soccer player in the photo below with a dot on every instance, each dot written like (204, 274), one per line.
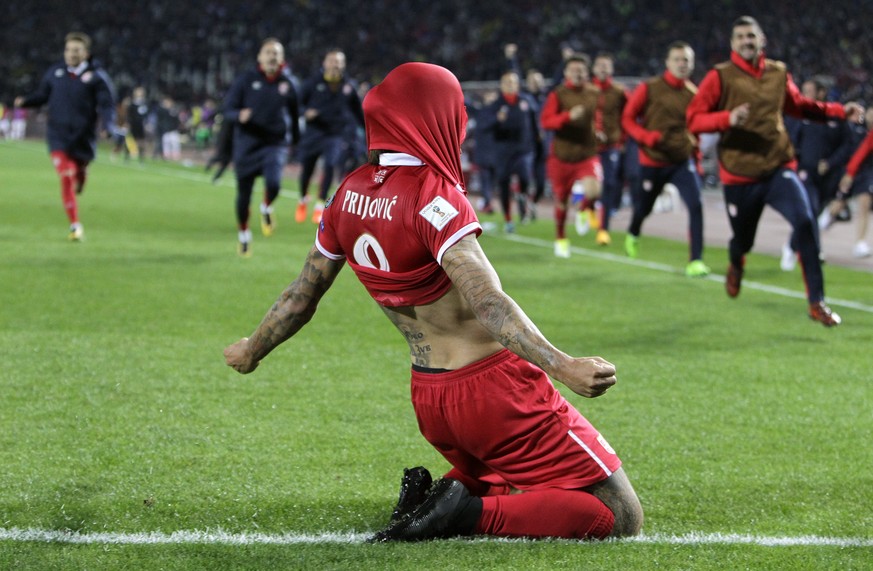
(479, 365)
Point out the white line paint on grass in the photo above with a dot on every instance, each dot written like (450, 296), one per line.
(177, 537)
(740, 539)
(747, 284)
(224, 538)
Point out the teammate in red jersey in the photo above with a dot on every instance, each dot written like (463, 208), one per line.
(745, 99)
(655, 118)
(479, 365)
(610, 139)
(569, 111)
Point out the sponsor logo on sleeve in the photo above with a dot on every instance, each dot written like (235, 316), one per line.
(605, 444)
(438, 212)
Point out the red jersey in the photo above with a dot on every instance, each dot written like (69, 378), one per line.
(393, 223)
(860, 155)
(707, 113)
(658, 120)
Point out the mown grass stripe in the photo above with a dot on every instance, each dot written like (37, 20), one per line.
(747, 284)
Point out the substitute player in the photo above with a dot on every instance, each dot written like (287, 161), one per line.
(332, 109)
(479, 386)
(655, 118)
(569, 111)
(77, 92)
(745, 99)
(262, 104)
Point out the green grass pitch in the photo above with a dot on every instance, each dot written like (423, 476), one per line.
(740, 422)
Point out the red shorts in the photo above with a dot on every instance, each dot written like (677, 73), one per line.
(65, 165)
(502, 416)
(562, 175)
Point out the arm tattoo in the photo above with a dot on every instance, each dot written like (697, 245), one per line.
(473, 275)
(296, 305)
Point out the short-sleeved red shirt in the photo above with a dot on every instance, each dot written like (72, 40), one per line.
(393, 223)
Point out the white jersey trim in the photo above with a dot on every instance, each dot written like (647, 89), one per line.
(590, 452)
(407, 160)
(326, 253)
(79, 69)
(399, 160)
(455, 238)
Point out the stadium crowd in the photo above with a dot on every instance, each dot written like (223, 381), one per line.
(191, 51)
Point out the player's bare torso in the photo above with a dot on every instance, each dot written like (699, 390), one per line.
(444, 334)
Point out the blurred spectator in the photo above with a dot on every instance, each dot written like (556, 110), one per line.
(137, 115)
(168, 141)
(120, 136)
(193, 50)
(5, 121)
(19, 124)
(203, 123)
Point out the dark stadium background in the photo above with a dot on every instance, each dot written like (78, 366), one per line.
(191, 50)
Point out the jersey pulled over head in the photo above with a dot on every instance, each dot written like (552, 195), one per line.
(419, 109)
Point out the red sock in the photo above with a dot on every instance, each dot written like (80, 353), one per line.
(560, 221)
(569, 514)
(585, 204)
(70, 173)
(481, 488)
(68, 197)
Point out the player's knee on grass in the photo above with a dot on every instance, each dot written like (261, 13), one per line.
(619, 496)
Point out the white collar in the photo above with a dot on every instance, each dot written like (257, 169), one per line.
(399, 160)
(79, 68)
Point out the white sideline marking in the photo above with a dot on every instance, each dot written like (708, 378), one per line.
(694, 538)
(223, 538)
(747, 284)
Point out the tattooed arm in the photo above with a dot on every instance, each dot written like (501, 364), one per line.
(475, 278)
(294, 308)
